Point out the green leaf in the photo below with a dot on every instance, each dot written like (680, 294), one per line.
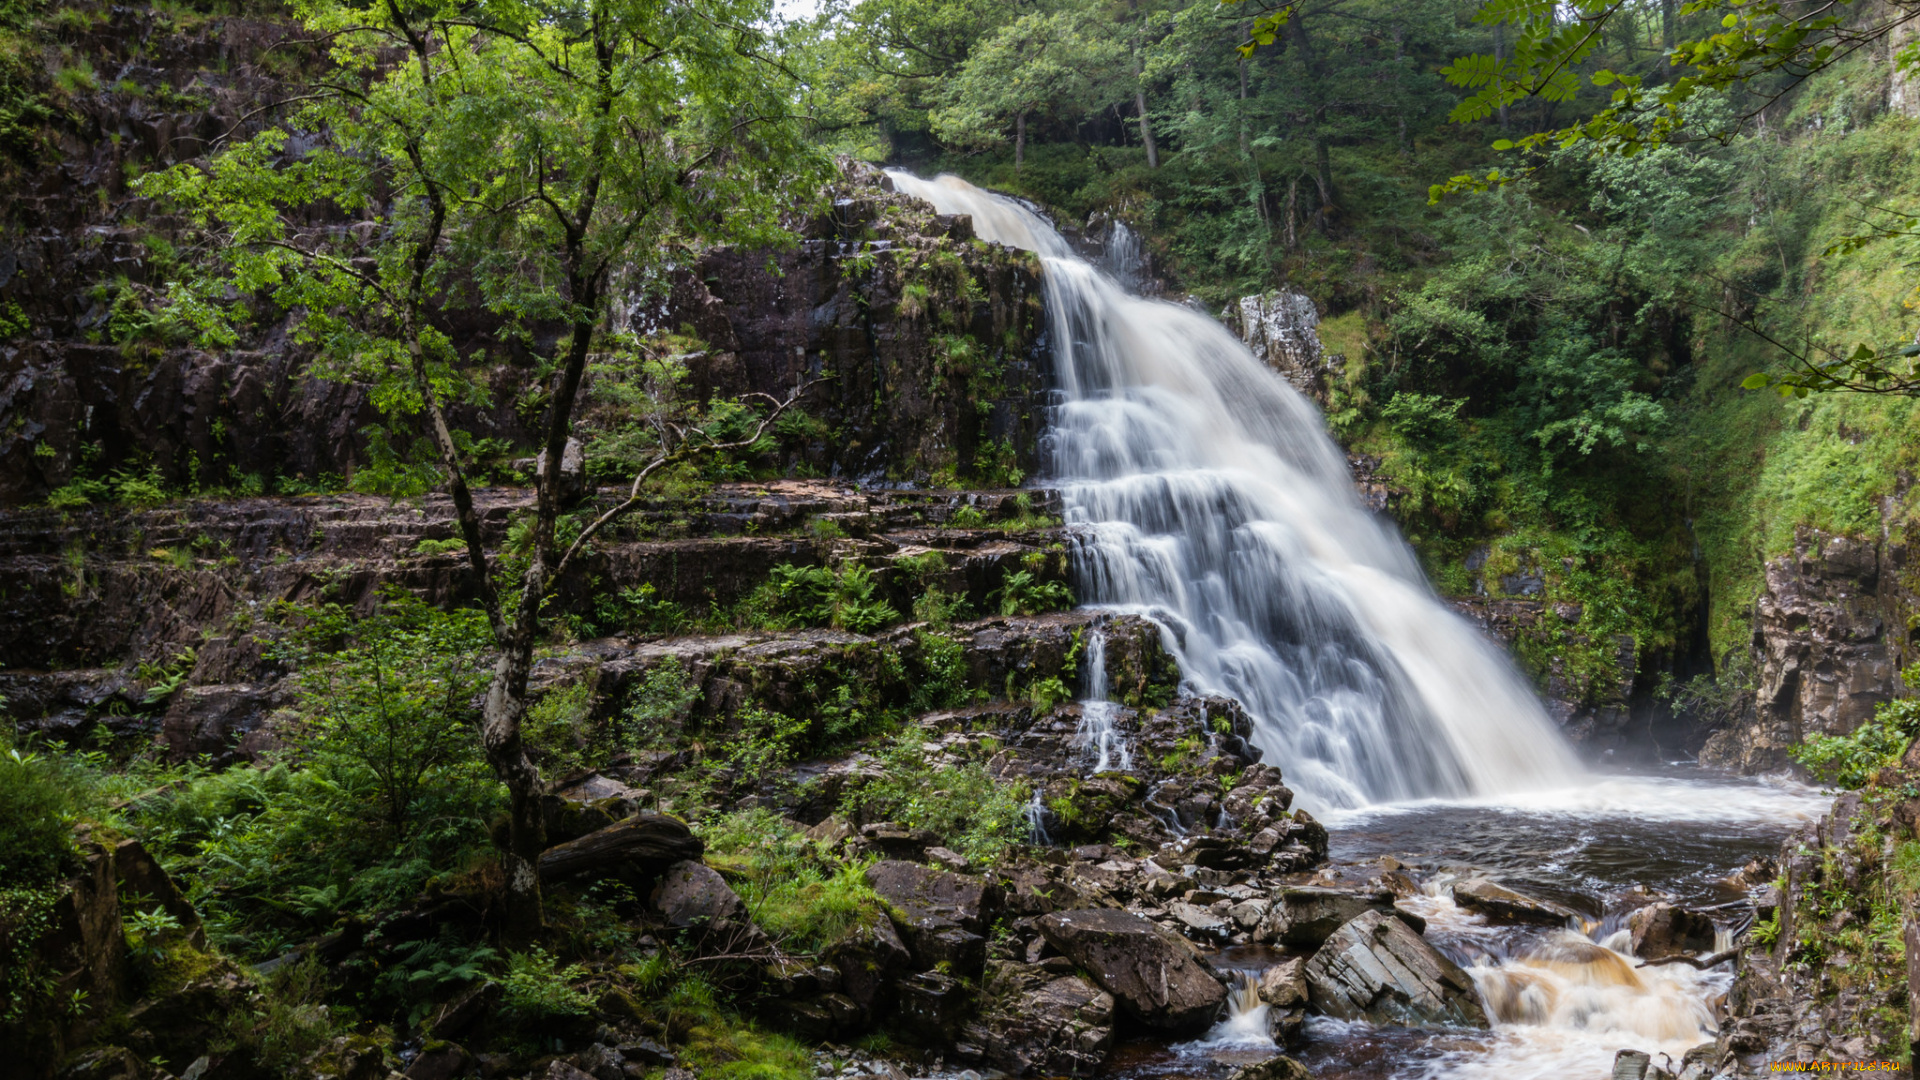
(1756, 381)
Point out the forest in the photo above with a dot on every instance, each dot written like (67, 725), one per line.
(538, 540)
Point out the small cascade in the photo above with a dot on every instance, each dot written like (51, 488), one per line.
(1037, 820)
(1245, 1023)
(1124, 256)
(1098, 737)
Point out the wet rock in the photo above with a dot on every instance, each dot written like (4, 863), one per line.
(1663, 930)
(1376, 968)
(1274, 1068)
(1635, 1065)
(1036, 1023)
(560, 1070)
(1155, 977)
(1499, 902)
(1284, 985)
(1303, 916)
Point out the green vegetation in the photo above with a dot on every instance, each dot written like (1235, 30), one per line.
(970, 811)
(37, 814)
(845, 598)
(805, 901)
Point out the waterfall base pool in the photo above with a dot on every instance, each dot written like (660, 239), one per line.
(1565, 1002)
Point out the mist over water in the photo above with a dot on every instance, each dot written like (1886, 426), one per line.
(1210, 499)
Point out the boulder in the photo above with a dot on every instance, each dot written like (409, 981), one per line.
(692, 894)
(1663, 930)
(1033, 1022)
(1303, 916)
(649, 841)
(1499, 902)
(1274, 1068)
(1376, 968)
(939, 914)
(931, 1006)
(1284, 985)
(1155, 976)
(868, 959)
(891, 841)
(446, 1061)
(1199, 923)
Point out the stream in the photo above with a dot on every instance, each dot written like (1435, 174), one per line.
(1563, 1002)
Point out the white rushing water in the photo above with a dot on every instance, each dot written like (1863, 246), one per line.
(1211, 500)
(1099, 737)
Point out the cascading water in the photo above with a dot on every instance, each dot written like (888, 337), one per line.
(1211, 500)
(1099, 735)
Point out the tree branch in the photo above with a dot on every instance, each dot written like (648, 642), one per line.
(676, 453)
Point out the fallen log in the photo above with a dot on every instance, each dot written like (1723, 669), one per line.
(657, 839)
(1712, 961)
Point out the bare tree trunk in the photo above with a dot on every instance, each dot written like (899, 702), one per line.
(1293, 212)
(506, 706)
(1019, 139)
(1140, 110)
(1245, 150)
(1323, 179)
(1399, 54)
(1669, 24)
(1500, 53)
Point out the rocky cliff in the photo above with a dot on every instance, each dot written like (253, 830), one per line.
(1831, 632)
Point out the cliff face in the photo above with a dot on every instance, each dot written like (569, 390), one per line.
(931, 344)
(1831, 633)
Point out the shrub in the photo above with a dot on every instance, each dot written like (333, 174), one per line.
(1024, 593)
(37, 812)
(535, 988)
(844, 599)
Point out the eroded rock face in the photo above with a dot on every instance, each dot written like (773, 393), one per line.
(1034, 1022)
(901, 411)
(1282, 328)
(1155, 977)
(1828, 642)
(1376, 968)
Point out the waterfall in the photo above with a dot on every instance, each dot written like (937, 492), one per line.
(1099, 736)
(1207, 496)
